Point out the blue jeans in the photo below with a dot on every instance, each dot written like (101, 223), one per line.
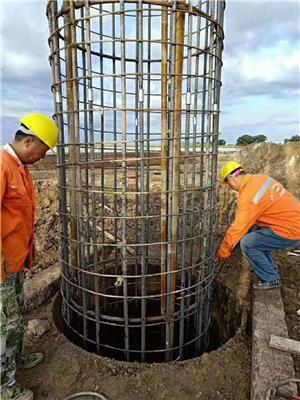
(257, 246)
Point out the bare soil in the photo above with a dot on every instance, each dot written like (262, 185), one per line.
(282, 162)
(289, 268)
(221, 374)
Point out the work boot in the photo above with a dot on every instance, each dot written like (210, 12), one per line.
(16, 392)
(29, 360)
(267, 285)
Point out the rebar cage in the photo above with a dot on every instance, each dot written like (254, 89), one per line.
(137, 91)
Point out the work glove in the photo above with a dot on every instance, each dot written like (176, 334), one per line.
(224, 253)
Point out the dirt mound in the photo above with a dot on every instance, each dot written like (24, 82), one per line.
(282, 162)
(47, 228)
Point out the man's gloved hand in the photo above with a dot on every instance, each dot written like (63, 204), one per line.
(223, 253)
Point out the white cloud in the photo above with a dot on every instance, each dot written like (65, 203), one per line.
(270, 65)
(25, 65)
(15, 108)
(24, 39)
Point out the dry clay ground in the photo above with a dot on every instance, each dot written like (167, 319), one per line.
(221, 374)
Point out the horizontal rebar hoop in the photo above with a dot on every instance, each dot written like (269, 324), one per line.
(137, 91)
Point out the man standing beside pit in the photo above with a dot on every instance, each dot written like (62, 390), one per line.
(35, 136)
(267, 219)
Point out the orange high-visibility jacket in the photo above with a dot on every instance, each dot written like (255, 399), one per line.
(265, 202)
(17, 212)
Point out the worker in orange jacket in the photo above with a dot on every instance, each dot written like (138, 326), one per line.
(267, 219)
(35, 136)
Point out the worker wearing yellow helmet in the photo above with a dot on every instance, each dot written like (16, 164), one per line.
(35, 136)
(229, 169)
(267, 219)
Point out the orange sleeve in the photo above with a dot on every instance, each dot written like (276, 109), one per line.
(246, 216)
(3, 184)
(3, 178)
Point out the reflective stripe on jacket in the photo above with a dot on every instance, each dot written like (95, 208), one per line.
(17, 212)
(265, 202)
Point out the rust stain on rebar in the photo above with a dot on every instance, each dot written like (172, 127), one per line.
(180, 20)
(71, 91)
(164, 155)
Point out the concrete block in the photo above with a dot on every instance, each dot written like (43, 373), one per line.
(269, 365)
(41, 287)
(280, 343)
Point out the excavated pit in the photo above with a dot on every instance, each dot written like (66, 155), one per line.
(68, 368)
(228, 316)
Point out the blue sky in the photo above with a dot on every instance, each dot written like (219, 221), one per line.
(261, 75)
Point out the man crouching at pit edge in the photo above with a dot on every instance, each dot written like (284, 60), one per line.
(267, 218)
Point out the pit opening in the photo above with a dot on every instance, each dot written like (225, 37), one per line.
(227, 315)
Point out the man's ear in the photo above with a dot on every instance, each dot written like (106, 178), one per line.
(231, 181)
(28, 142)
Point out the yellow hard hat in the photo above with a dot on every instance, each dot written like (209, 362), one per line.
(228, 168)
(42, 127)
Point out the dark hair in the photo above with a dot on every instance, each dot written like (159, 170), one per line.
(20, 135)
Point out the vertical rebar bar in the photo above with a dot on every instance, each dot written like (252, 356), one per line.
(164, 154)
(172, 87)
(71, 90)
(203, 183)
(85, 223)
(185, 180)
(207, 164)
(124, 176)
(180, 24)
(142, 176)
(57, 91)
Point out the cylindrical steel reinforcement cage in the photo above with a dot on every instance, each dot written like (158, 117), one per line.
(137, 92)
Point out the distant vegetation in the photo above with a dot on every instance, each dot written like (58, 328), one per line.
(295, 138)
(248, 139)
